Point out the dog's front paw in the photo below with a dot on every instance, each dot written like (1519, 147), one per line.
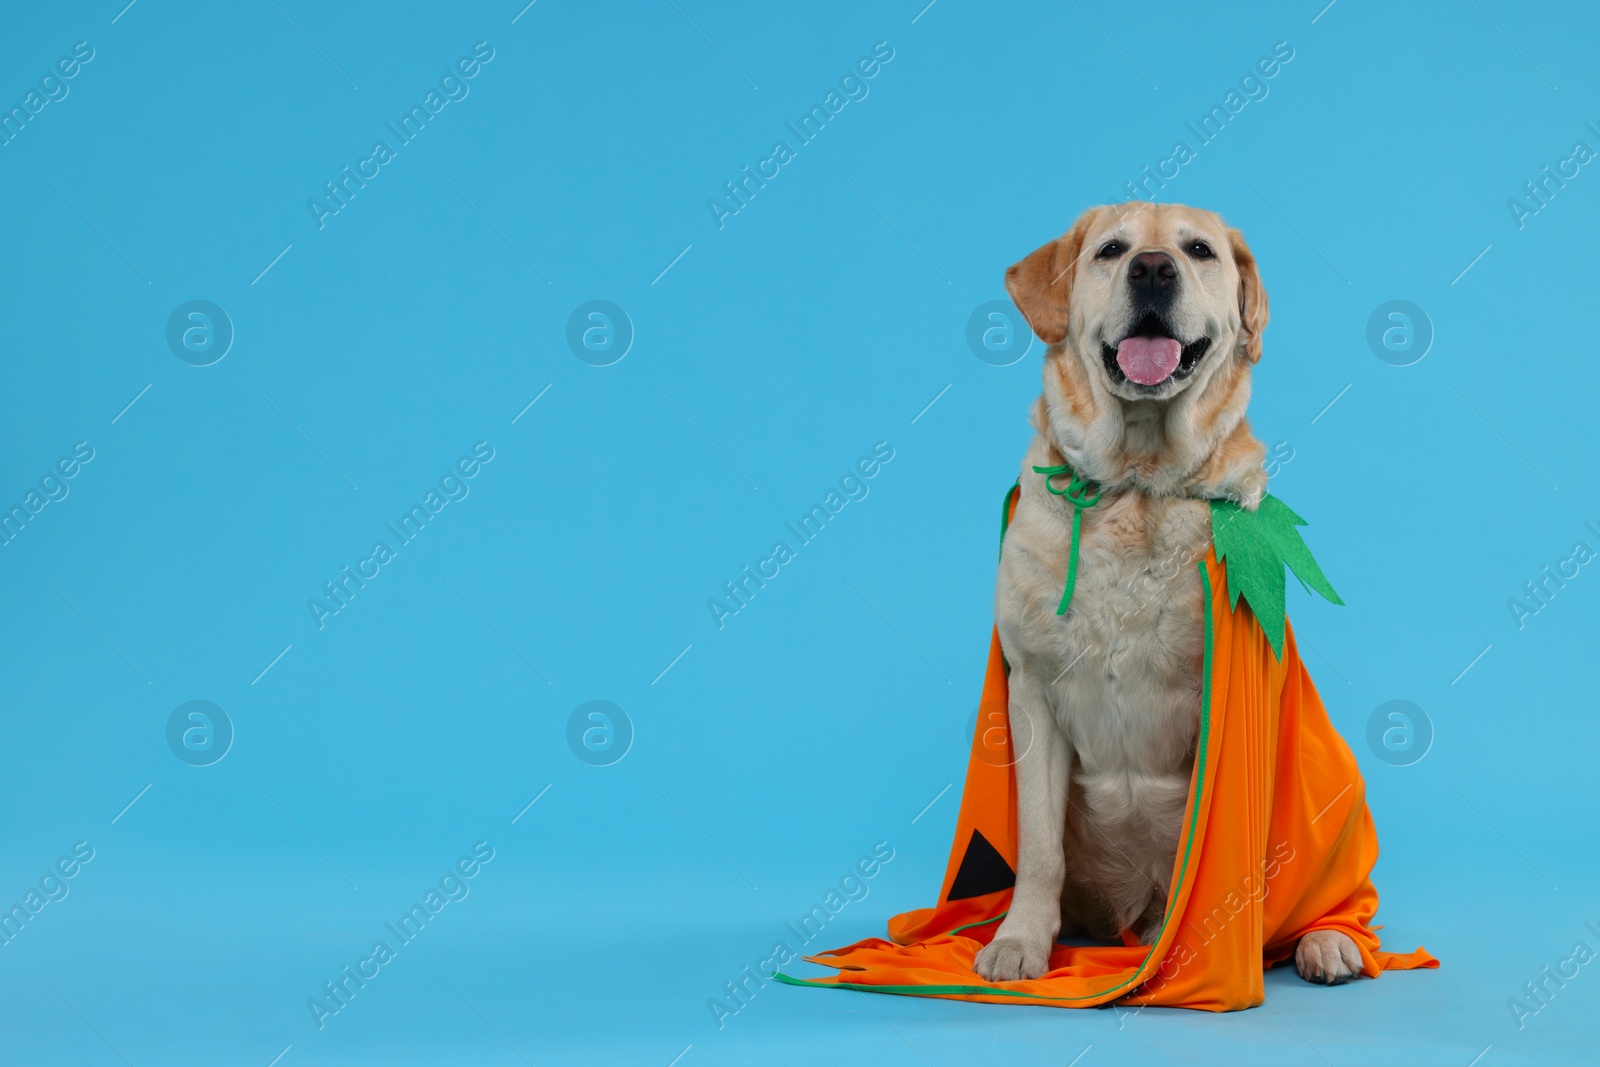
(1007, 959)
(1327, 957)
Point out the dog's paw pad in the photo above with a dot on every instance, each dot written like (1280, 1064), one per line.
(1327, 957)
(1008, 959)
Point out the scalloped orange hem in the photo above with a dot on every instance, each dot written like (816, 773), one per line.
(1277, 842)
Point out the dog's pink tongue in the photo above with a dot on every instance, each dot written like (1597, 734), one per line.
(1148, 360)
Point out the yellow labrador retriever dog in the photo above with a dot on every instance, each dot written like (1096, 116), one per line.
(1153, 315)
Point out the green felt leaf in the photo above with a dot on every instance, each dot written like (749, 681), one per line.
(1256, 546)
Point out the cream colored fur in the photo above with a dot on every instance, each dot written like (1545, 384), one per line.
(1111, 692)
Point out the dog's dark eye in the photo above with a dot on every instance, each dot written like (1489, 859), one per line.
(1201, 250)
(1110, 250)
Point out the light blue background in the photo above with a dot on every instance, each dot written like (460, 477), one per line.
(824, 317)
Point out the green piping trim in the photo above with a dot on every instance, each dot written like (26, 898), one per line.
(1188, 847)
(1077, 494)
(915, 990)
(980, 922)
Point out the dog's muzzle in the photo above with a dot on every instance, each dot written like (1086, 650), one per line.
(1150, 354)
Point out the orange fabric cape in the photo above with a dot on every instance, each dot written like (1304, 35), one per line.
(1276, 842)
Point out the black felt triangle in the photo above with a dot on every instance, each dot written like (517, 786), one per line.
(983, 870)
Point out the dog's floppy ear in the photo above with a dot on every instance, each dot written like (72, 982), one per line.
(1252, 298)
(1041, 284)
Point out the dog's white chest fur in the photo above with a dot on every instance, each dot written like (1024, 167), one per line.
(1120, 675)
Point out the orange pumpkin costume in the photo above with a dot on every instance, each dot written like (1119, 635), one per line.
(1277, 842)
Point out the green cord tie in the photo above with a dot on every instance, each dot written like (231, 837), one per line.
(1077, 494)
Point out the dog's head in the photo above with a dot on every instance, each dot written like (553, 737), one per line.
(1149, 291)
(1154, 314)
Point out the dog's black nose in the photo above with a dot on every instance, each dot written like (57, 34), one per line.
(1152, 273)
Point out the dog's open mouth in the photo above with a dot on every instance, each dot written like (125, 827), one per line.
(1151, 356)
